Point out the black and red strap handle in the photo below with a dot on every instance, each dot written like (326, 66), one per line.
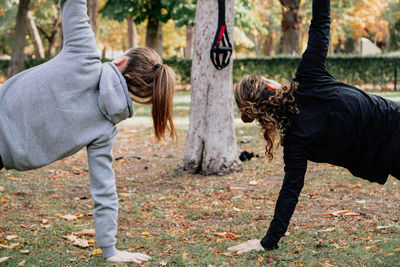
(221, 49)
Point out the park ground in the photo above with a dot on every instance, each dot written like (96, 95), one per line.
(181, 219)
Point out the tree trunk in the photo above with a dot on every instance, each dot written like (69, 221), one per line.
(153, 27)
(51, 36)
(132, 33)
(189, 42)
(37, 41)
(291, 22)
(17, 55)
(92, 13)
(256, 44)
(268, 44)
(211, 143)
(160, 40)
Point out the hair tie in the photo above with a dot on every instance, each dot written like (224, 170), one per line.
(155, 68)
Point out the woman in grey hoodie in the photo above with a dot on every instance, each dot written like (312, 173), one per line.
(73, 101)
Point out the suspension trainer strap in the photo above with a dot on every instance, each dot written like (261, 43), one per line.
(221, 49)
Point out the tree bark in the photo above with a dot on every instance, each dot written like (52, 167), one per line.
(291, 23)
(17, 55)
(37, 41)
(189, 42)
(132, 33)
(92, 13)
(51, 36)
(153, 26)
(160, 40)
(211, 142)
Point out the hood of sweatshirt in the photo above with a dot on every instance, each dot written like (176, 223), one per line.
(114, 99)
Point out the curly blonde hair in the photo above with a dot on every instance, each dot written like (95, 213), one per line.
(271, 108)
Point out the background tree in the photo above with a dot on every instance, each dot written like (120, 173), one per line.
(92, 13)
(291, 23)
(211, 143)
(154, 12)
(17, 56)
(34, 33)
(184, 15)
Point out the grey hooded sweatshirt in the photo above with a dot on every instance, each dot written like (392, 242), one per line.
(72, 101)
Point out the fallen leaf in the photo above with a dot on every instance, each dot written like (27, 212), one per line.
(80, 215)
(10, 246)
(341, 213)
(14, 178)
(163, 263)
(24, 251)
(3, 259)
(260, 259)
(44, 221)
(146, 233)
(397, 250)
(22, 263)
(235, 209)
(226, 235)
(69, 217)
(4, 199)
(184, 255)
(327, 230)
(357, 186)
(91, 232)
(79, 242)
(58, 215)
(11, 237)
(253, 183)
(97, 251)
(139, 246)
(91, 241)
(389, 254)
(1, 189)
(327, 264)
(227, 254)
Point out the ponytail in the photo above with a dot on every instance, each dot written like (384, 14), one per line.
(162, 100)
(153, 83)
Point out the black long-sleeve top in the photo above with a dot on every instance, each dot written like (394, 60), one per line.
(337, 124)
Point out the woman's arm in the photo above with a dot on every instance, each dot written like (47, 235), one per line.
(77, 32)
(312, 64)
(103, 190)
(295, 168)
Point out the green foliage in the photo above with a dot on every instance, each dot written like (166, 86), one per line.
(353, 69)
(184, 13)
(140, 10)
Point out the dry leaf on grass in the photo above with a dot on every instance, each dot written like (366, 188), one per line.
(260, 259)
(4, 199)
(357, 186)
(11, 246)
(253, 183)
(327, 230)
(3, 259)
(342, 213)
(1, 189)
(226, 235)
(11, 237)
(69, 217)
(24, 251)
(97, 251)
(91, 232)
(397, 250)
(79, 242)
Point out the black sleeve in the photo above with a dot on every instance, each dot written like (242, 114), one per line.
(295, 168)
(312, 65)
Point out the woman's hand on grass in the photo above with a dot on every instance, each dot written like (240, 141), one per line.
(125, 256)
(247, 246)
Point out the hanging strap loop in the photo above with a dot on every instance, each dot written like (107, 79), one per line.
(221, 49)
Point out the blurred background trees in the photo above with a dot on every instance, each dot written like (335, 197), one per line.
(262, 27)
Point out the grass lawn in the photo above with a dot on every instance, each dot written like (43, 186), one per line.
(175, 217)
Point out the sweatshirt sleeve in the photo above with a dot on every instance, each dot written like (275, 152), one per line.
(77, 32)
(313, 63)
(295, 168)
(103, 191)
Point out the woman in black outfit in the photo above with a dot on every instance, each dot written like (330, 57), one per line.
(320, 119)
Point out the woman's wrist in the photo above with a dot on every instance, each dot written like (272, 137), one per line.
(109, 251)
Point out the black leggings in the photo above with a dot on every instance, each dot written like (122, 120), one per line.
(1, 164)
